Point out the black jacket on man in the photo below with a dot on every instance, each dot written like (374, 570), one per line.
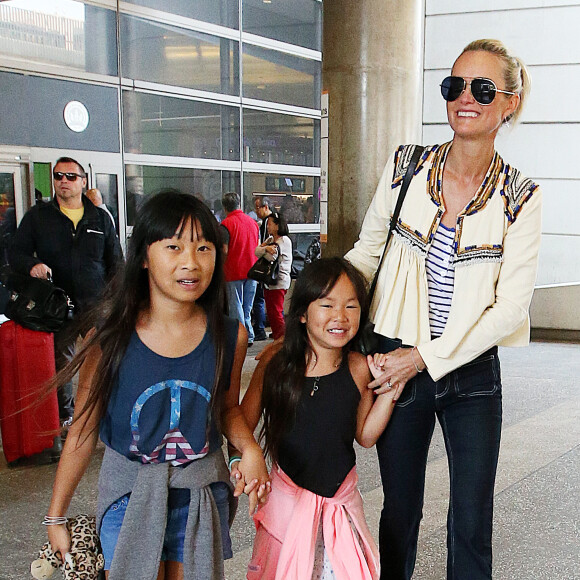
(82, 260)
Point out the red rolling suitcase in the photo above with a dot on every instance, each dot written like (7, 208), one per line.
(26, 363)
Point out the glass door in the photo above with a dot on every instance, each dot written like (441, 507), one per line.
(13, 203)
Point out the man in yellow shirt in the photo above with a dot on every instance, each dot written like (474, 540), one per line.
(75, 243)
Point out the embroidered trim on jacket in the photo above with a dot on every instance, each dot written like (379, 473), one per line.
(403, 158)
(411, 238)
(516, 190)
(483, 253)
(483, 194)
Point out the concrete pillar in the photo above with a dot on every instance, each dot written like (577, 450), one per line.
(372, 69)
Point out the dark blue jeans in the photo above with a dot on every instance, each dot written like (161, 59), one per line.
(259, 311)
(467, 403)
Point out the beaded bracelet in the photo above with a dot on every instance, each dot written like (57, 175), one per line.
(54, 521)
(413, 359)
(233, 460)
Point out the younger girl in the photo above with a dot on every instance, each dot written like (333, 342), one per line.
(315, 401)
(159, 381)
(278, 242)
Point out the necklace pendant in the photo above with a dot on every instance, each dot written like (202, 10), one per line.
(314, 387)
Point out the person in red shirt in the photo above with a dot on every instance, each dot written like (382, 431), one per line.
(243, 239)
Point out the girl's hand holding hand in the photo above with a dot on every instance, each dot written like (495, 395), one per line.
(254, 480)
(271, 250)
(59, 539)
(377, 372)
(393, 370)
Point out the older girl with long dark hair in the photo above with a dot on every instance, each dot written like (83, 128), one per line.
(159, 382)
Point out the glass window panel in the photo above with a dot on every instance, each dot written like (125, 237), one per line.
(107, 184)
(7, 214)
(70, 34)
(303, 244)
(205, 184)
(175, 56)
(160, 125)
(222, 12)
(278, 138)
(295, 197)
(282, 78)
(294, 21)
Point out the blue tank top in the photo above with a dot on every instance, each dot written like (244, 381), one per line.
(159, 408)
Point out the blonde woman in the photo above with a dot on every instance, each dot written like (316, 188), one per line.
(457, 280)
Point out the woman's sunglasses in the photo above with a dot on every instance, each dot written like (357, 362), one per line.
(483, 90)
(58, 175)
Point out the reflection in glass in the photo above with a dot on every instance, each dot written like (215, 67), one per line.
(294, 21)
(7, 215)
(282, 139)
(222, 12)
(169, 55)
(106, 183)
(270, 75)
(295, 197)
(76, 36)
(160, 125)
(205, 184)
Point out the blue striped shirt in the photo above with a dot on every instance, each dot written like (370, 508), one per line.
(440, 278)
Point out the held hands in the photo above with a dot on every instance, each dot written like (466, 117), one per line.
(252, 477)
(40, 271)
(393, 370)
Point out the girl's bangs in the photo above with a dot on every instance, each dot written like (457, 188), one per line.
(177, 215)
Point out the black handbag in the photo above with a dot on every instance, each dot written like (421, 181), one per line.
(369, 342)
(265, 271)
(36, 303)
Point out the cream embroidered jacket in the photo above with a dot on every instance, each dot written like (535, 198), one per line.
(497, 239)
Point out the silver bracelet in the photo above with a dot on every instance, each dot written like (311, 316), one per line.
(413, 359)
(233, 460)
(54, 521)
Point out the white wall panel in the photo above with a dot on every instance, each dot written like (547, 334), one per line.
(559, 263)
(561, 207)
(539, 36)
(461, 6)
(436, 134)
(543, 151)
(549, 101)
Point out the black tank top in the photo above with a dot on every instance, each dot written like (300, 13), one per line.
(317, 453)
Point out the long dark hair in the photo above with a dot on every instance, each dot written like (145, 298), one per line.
(285, 373)
(115, 317)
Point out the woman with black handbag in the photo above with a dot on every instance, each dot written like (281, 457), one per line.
(277, 246)
(456, 281)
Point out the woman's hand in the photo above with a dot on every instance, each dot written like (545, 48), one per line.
(394, 369)
(59, 539)
(272, 249)
(254, 480)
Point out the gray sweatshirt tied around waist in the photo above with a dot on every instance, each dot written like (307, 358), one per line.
(140, 543)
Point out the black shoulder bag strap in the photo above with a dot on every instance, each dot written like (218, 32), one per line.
(395, 215)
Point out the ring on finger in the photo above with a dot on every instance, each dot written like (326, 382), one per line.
(388, 385)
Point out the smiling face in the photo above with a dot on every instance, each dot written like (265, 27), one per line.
(333, 321)
(467, 117)
(180, 268)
